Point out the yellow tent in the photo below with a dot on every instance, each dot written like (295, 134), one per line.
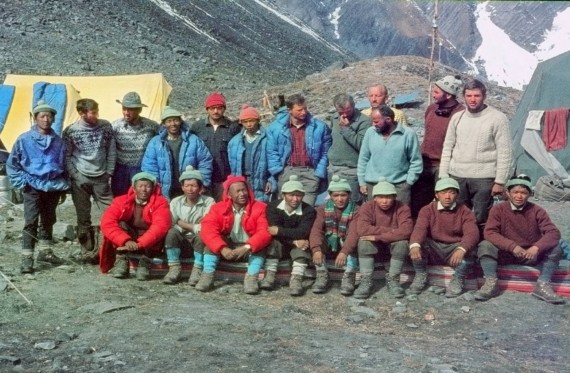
(153, 89)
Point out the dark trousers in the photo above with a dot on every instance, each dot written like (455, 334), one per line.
(476, 194)
(121, 180)
(280, 250)
(423, 190)
(39, 211)
(186, 244)
(82, 189)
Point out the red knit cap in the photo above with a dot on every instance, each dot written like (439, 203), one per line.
(215, 99)
(247, 112)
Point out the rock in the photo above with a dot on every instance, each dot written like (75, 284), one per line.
(412, 297)
(356, 302)
(412, 325)
(399, 308)
(49, 345)
(429, 316)
(12, 359)
(363, 355)
(3, 284)
(469, 296)
(64, 232)
(481, 335)
(436, 289)
(465, 309)
(355, 318)
(29, 276)
(104, 307)
(365, 311)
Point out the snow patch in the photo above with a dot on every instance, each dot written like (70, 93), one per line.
(556, 40)
(334, 17)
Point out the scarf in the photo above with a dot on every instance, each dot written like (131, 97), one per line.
(336, 229)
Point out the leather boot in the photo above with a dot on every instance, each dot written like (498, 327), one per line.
(143, 269)
(174, 274)
(321, 283)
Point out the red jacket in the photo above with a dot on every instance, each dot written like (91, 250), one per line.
(156, 213)
(218, 222)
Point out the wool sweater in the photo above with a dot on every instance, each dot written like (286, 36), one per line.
(507, 228)
(389, 226)
(346, 141)
(293, 227)
(435, 130)
(478, 145)
(317, 239)
(446, 226)
(131, 140)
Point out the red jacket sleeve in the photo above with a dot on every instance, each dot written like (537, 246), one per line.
(159, 220)
(110, 222)
(211, 230)
(257, 224)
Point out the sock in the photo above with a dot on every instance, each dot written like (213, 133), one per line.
(420, 265)
(299, 268)
(271, 264)
(396, 266)
(254, 264)
(366, 264)
(27, 252)
(463, 268)
(173, 255)
(210, 263)
(198, 259)
(351, 264)
(322, 267)
(548, 268)
(489, 266)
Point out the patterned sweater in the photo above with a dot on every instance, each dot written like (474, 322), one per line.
(131, 140)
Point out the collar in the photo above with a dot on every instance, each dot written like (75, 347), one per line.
(236, 211)
(223, 123)
(291, 125)
(298, 211)
(440, 206)
(245, 134)
(139, 202)
(514, 208)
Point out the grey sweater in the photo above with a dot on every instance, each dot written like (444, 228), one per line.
(346, 141)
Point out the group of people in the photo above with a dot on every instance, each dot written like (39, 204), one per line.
(237, 191)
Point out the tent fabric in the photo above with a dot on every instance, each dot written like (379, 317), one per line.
(55, 95)
(549, 88)
(153, 89)
(6, 98)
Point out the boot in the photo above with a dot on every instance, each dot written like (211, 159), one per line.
(27, 264)
(206, 282)
(89, 254)
(489, 289)
(250, 285)
(121, 267)
(347, 283)
(43, 245)
(364, 290)
(48, 256)
(543, 290)
(419, 283)
(195, 275)
(296, 285)
(143, 269)
(455, 287)
(268, 282)
(174, 274)
(321, 283)
(394, 286)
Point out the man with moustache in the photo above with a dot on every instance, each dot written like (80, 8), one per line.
(477, 151)
(391, 151)
(437, 117)
(377, 96)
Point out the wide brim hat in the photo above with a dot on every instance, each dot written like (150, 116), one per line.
(131, 100)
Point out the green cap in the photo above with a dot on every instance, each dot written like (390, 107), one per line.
(383, 188)
(169, 112)
(339, 185)
(519, 180)
(293, 185)
(190, 173)
(131, 100)
(446, 183)
(143, 176)
(43, 107)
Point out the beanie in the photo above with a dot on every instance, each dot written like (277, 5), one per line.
(169, 112)
(519, 180)
(293, 185)
(215, 99)
(383, 188)
(247, 112)
(143, 176)
(339, 185)
(43, 107)
(446, 183)
(450, 84)
(190, 173)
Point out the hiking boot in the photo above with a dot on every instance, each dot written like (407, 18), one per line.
(455, 287)
(268, 282)
(121, 267)
(321, 283)
(250, 285)
(364, 289)
(27, 264)
(419, 283)
(206, 282)
(394, 286)
(47, 256)
(296, 285)
(489, 289)
(347, 283)
(195, 275)
(543, 290)
(174, 274)
(143, 269)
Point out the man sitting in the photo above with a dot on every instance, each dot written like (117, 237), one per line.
(136, 222)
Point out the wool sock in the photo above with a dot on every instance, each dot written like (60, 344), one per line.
(420, 266)
(173, 255)
(463, 268)
(271, 264)
(396, 266)
(489, 266)
(198, 259)
(548, 268)
(299, 268)
(254, 264)
(210, 263)
(366, 264)
(321, 267)
(351, 263)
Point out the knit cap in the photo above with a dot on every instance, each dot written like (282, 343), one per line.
(215, 99)
(293, 185)
(143, 176)
(339, 185)
(131, 100)
(450, 84)
(383, 188)
(247, 112)
(519, 180)
(190, 173)
(446, 183)
(169, 112)
(43, 107)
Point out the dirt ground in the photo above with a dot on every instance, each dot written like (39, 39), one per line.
(82, 321)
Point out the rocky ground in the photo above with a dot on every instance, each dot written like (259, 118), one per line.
(80, 320)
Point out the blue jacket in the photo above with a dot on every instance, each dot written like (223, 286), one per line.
(261, 175)
(38, 160)
(318, 140)
(158, 160)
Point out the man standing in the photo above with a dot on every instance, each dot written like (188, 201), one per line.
(348, 127)
(377, 96)
(437, 117)
(477, 151)
(216, 131)
(90, 162)
(391, 151)
(298, 144)
(132, 133)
